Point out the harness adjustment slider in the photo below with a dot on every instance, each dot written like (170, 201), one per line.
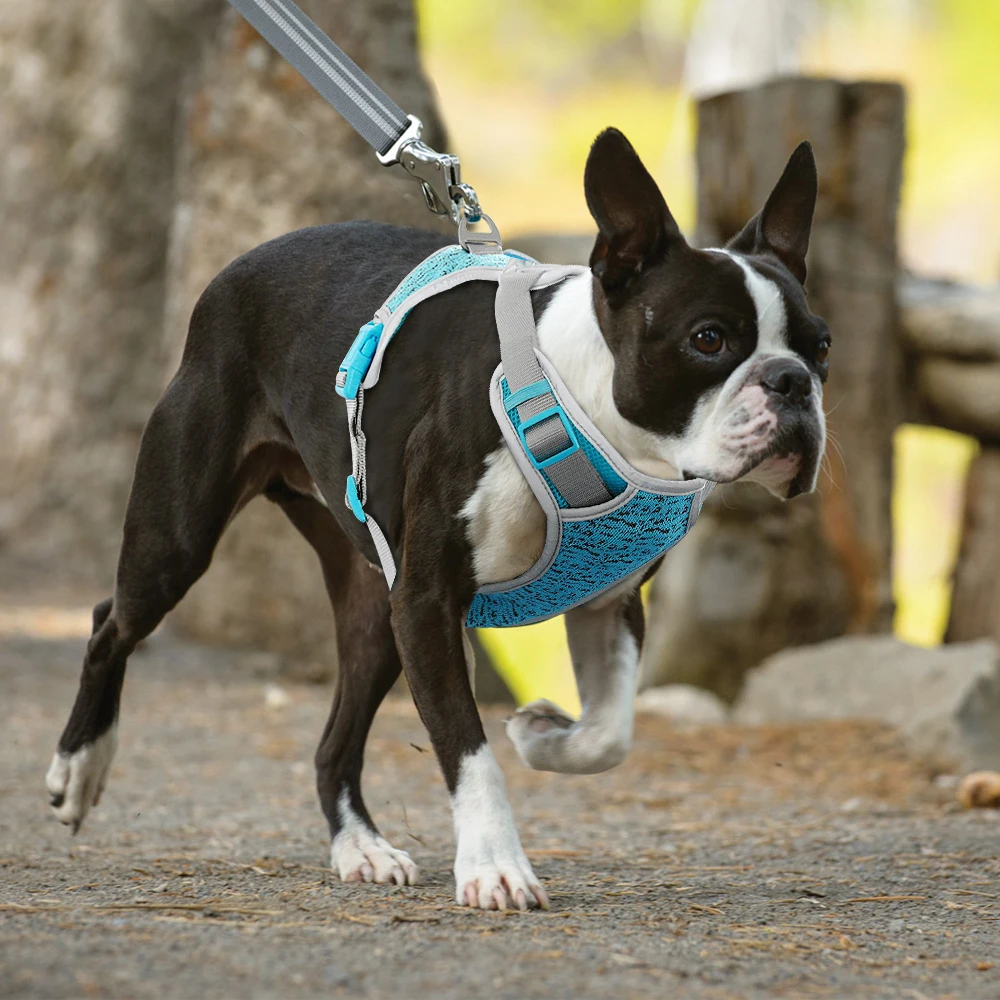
(355, 365)
(573, 442)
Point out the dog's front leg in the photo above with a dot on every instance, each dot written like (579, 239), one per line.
(604, 642)
(491, 871)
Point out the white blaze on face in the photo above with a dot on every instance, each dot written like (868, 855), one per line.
(772, 320)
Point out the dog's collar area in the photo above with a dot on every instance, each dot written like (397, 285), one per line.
(605, 521)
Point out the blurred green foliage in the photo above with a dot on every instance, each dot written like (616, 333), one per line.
(527, 84)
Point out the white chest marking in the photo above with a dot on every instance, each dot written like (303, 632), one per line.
(505, 523)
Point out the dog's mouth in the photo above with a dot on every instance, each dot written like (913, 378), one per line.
(787, 466)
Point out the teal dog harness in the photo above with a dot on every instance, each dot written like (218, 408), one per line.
(604, 520)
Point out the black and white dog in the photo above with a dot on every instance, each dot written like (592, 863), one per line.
(692, 363)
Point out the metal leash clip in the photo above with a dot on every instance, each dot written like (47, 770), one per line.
(440, 174)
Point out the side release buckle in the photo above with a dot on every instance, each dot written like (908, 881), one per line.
(355, 365)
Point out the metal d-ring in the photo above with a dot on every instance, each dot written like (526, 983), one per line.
(479, 242)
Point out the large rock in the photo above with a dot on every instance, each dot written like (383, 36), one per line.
(946, 701)
(683, 704)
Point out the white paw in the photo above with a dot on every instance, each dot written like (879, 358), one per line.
(537, 730)
(75, 781)
(359, 855)
(494, 874)
(547, 739)
(491, 871)
(538, 717)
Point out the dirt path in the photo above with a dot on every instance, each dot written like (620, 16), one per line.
(800, 861)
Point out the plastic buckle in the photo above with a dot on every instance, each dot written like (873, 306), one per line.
(479, 243)
(574, 441)
(354, 501)
(355, 365)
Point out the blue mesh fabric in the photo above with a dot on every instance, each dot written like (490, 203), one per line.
(593, 556)
(447, 261)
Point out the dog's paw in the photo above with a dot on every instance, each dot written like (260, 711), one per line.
(533, 728)
(75, 781)
(548, 739)
(361, 855)
(540, 716)
(495, 875)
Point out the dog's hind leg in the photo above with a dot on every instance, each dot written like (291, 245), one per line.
(368, 667)
(604, 642)
(183, 494)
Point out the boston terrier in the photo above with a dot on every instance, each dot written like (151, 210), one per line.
(692, 363)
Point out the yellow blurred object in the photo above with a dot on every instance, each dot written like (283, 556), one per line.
(534, 662)
(931, 467)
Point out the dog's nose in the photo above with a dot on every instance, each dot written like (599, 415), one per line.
(787, 378)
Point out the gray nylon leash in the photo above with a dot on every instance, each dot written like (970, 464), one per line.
(393, 134)
(372, 113)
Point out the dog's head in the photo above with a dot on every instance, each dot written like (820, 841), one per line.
(717, 356)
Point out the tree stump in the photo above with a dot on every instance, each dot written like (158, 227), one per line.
(758, 575)
(145, 144)
(975, 601)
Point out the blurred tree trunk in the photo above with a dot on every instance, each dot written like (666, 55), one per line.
(146, 143)
(261, 154)
(91, 93)
(758, 575)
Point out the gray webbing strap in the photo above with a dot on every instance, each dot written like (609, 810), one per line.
(516, 324)
(574, 476)
(383, 550)
(359, 470)
(370, 111)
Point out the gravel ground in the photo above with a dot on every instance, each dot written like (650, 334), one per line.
(815, 860)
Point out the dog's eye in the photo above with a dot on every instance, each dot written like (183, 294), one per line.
(708, 341)
(822, 353)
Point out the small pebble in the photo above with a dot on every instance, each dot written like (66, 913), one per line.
(256, 56)
(276, 696)
(980, 790)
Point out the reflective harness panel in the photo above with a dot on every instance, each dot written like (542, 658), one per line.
(605, 521)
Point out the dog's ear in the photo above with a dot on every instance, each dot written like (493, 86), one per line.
(783, 225)
(633, 222)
